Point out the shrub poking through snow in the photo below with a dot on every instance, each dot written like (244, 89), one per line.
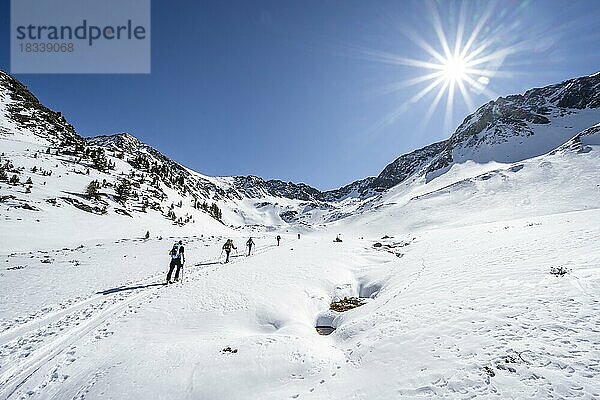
(559, 271)
(229, 350)
(348, 303)
(490, 372)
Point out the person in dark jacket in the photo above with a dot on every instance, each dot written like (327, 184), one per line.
(278, 239)
(227, 248)
(177, 260)
(249, 245)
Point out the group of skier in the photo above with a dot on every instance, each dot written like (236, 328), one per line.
(177, 254)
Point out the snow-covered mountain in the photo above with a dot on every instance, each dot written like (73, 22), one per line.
(54, 166)
(506, 130)
(50, 168)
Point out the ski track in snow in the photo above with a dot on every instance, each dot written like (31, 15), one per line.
(31, 346)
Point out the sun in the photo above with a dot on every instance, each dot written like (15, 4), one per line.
(455, 69)
(459, 62)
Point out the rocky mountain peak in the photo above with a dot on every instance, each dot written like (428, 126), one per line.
(507, 129)
(119, 141)
(24, 112)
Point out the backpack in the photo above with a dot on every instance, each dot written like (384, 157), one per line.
(175, 251)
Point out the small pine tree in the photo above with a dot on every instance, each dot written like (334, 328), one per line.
(92, 190)
(99, 160)
(34, 169)
(29, 181)
(215, 212)
(14, 180)
(123, 190)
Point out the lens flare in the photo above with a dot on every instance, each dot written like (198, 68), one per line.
(462, 62)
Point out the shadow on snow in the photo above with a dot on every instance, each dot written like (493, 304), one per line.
(126, 288)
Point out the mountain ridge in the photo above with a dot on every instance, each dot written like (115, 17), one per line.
(517, 110)
(508, 129)
(576, 93)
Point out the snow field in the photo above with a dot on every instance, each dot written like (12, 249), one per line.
(457, 303)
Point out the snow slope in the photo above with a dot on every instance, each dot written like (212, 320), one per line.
(470, 193)
(49, 211)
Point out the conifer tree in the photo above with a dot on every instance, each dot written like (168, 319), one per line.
(123, 190)
(92, 190)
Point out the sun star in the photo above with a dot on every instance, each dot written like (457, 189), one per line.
(462, 64)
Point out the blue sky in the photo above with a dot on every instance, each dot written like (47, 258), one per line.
(306, 90)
